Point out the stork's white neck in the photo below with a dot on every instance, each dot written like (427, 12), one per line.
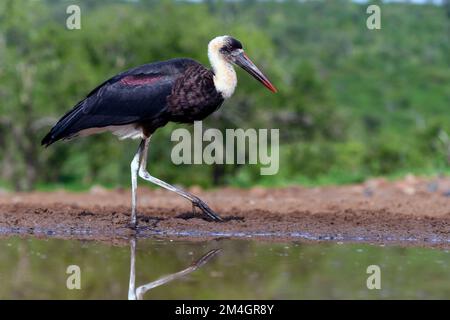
(225, 79)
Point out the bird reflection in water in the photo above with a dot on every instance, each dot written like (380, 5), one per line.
(138, 293)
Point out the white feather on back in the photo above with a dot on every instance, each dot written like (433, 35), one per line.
(129, 131)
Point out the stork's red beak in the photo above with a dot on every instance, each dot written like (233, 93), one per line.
(243, 61)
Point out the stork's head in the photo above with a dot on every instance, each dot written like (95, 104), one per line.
(225, 50)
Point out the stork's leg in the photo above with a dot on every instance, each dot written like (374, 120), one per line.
(196, 202)
(135, 164)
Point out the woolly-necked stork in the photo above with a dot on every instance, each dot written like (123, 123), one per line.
(136, 102)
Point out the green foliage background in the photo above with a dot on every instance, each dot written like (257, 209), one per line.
(352, 102)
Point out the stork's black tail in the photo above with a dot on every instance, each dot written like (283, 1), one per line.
(64, 128)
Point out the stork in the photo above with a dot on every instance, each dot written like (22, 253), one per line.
(136, 102)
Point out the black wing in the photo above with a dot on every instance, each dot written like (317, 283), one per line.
(132, 96)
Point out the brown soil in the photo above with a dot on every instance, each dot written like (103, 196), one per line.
(412, 211)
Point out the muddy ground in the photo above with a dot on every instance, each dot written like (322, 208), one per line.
(412, 211)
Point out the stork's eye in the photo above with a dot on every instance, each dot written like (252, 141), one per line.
(226, 49)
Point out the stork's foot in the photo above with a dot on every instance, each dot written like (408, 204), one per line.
(132, 225)
(207, 211)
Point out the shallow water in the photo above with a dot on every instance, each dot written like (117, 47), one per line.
(32, 268)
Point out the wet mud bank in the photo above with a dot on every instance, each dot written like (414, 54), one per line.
(408, 212)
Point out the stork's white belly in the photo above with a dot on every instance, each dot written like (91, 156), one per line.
(129, 131)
